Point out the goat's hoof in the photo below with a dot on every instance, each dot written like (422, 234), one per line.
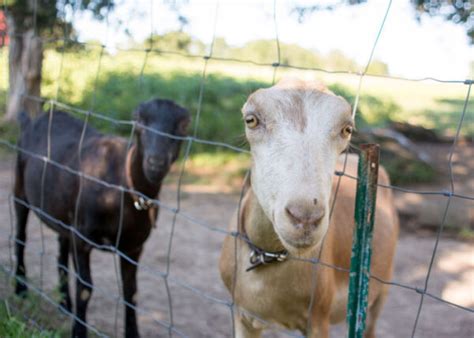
(79, 331)
(21, 290)
(132, 334)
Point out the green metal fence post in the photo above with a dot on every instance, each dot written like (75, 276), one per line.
(362, 239)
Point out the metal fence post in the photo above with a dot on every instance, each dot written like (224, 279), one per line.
(362, 239)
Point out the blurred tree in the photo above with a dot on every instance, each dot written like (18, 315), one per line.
(221, 48)
(263, 51)
(29, 21)
(458, 11)
(175, 41)
(292, 54)
(377, 67)
(336, 60)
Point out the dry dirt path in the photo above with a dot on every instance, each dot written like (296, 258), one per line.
(194, 259)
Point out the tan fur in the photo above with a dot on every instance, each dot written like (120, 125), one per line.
(281, 292)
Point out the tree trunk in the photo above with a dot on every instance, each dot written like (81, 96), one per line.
(25, 64)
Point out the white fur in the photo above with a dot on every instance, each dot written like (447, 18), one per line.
(293, 163)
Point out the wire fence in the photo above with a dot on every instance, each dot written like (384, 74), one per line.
(176, 211)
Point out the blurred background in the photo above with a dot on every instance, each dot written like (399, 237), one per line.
(416, 58)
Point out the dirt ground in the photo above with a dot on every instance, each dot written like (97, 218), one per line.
(193, 261)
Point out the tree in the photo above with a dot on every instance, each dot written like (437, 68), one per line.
(29, 22)
(458, 11)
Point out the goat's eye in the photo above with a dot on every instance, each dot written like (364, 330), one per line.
(346, 131)
(251, 121)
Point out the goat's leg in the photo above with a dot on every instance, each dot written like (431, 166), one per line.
(83, 292)
(374, 311)
(321, 329)
(20, 242)
(128, 272)
(63, 271)
(320, 322)
(244, 329)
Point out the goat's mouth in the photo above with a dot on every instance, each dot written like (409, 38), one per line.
(301, 243)
(155, 175)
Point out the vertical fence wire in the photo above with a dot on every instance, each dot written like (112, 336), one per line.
(45, 163)
(342, 172)
(445, 213)
(276, 64)
(183, 167)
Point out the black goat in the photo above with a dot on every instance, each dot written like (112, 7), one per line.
(141, 168)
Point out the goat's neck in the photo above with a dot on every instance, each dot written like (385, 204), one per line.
(136, 178)
(257, 226)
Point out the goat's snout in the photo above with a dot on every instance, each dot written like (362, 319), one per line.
(156, 163)
(305, 215)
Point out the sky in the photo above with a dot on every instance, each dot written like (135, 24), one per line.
(431, 47)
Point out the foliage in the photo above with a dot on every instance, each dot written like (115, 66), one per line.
(457, 11)
(12, 326)
(377, 67)
(176, 41)
(120, 87)
(118, 93)
(372, 110)
(260, 51)
(46, 16)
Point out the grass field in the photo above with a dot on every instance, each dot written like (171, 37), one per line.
(15, 315)
(115, 84)
(123, 82)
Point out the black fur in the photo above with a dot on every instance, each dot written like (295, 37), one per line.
(103, 157)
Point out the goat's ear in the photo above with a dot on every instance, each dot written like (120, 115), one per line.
(136, 115)
(183, 125)
(137, 112)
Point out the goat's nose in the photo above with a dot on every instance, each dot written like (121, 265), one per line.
(156, 162)
(305, 215)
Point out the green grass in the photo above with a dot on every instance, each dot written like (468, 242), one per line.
(16, 313)
(14, 327)
(119, 87)
(23, 316)
(124, 81)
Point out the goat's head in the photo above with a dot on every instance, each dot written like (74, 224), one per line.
(159, 151)
(296, 132)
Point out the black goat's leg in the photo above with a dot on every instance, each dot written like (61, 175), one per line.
(20, 241)
(63, 271)
(83, 291)
(128, 272)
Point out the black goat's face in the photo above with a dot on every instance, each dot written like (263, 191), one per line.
(158, 122)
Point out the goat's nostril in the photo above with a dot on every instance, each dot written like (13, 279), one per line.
(290, 214)
(156, 162)
(304, 217)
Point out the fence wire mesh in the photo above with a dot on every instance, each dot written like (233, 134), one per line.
(176, 210)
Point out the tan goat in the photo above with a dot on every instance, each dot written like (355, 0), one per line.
(297, 131)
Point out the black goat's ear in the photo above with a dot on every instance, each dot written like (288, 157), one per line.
(183, 125)
(137, 112)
